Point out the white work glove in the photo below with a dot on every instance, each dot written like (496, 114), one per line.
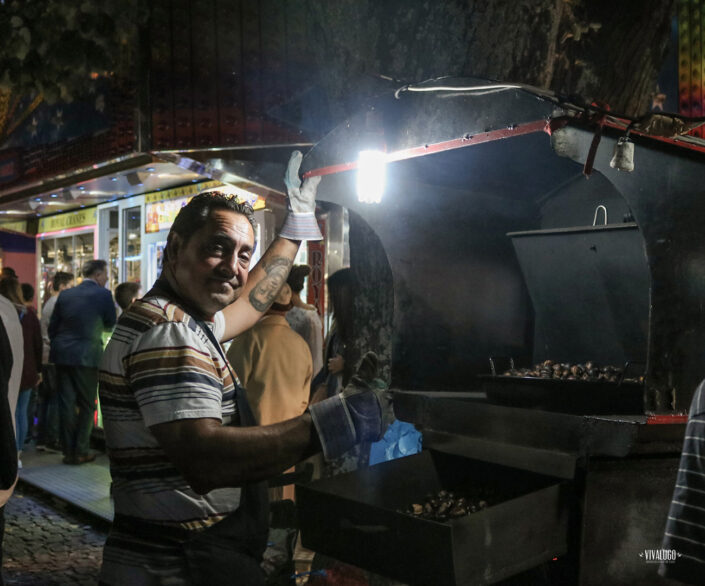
(300, 223)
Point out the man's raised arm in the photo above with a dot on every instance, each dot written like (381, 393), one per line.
(270, 273)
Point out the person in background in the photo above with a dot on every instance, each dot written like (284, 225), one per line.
(81, 315)
(126, 293)
(685, 524)
(48, 436)
(338, 365)
(337, 369)
(8, 272)
(28, 294)
(11, 359)
(28, 297)
(303, 318)
(32, 349)
(274, 365)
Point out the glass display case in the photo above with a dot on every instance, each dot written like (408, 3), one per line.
(63, 252)
(132, 244)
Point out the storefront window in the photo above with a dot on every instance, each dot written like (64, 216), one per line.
(132, 244)
(64, 254)
(83, 245)
(48, 257)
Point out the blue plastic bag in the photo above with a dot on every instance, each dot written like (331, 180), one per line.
(401, 439)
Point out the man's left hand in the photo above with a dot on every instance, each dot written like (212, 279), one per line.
(302, 197)
(301, 222)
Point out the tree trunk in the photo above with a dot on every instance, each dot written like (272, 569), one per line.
(607, 51)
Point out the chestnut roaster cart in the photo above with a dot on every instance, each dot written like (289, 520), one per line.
(497, 247)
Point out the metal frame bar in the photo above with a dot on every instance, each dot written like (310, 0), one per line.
(447, 145)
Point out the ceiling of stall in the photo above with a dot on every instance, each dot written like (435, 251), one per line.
(79, 189)
(256, 170)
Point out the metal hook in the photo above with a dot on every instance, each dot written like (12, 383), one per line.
(597, 209)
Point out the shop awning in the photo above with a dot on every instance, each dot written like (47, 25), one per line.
(257, 170)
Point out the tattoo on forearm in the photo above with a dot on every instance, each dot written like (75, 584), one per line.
(264, 292)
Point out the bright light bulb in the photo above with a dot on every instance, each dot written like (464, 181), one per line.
(371, 176)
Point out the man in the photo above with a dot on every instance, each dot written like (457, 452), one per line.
(187, 460)
(303, 318)
(685, 526)
(32, 371)
(48, 432)
(11, 359)
(274, 365)
(8, 272)
(81, 315)
(126, 293)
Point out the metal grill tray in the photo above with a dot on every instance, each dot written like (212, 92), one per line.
(354, 518)
(565, 396)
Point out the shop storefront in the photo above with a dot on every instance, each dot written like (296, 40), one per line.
(132, 232)
(17, 251)
(130, 235)
(64, 243)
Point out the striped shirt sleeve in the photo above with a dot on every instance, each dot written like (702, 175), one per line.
(172, 374)
(685, 526)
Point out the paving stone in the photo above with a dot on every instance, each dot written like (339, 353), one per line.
(46, 545)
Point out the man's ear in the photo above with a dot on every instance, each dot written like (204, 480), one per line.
(173, 245)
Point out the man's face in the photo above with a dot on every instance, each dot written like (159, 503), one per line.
(210, 269)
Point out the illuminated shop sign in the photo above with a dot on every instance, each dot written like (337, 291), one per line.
(163, 206)
(161, 215)
(19, 226)
(75, 219)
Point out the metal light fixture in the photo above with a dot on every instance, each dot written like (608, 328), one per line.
(623, 157)
(133, 179)
(371, 176)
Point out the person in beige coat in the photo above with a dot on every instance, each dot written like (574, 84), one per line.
(274, 365)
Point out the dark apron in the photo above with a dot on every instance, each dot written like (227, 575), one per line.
(230, 551)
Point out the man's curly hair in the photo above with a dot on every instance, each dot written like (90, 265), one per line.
(194, 215)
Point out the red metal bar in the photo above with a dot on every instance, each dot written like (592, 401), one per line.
(687, 145)
(468, 140)
(666, 419)
(456, 143)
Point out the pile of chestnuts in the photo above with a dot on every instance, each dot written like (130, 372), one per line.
(445, 505)
(588, 371)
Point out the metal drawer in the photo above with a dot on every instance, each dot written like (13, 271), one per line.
(355, 518)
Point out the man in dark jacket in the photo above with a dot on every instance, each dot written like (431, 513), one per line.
(80, 317)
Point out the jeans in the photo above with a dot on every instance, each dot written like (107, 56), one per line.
(48, 425)
(21, 416)
(78, 388)
(31, 415)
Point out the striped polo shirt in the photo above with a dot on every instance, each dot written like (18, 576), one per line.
(685, 527)
(159, 366)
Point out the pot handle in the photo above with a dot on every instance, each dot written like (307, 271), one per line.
(493, 361)
(639, 367)
(597, 209)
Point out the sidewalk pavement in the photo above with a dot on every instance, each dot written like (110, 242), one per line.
(86, 487)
